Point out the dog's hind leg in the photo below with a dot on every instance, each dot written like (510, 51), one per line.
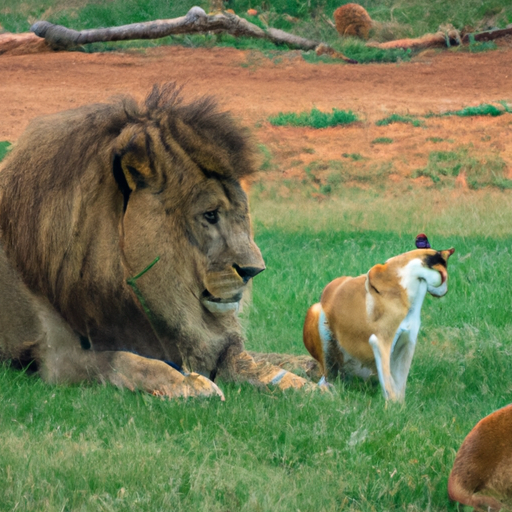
(316, 336)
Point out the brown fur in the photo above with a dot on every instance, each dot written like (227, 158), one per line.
(482, 472)
(89, 199)
(352, 20)
(303, 364)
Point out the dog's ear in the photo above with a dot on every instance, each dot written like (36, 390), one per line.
(447, 253)
(380, 280)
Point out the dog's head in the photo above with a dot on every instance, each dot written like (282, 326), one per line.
(409, 269)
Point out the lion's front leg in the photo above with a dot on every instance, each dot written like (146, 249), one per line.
(240, 366)
(62, 360)
(125, 370)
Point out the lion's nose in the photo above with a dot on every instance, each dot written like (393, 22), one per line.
(247, 273)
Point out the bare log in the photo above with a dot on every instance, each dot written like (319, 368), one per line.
(21, 44)
(488, 35)
(195, 21)
(442, 39)
(437, 40)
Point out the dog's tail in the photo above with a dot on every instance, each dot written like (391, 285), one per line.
(311, 335)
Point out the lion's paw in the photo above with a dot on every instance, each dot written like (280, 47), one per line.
(192, 385)
(198, 385)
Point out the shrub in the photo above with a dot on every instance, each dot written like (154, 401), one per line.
(314, 119)
(4, 148)
(397, 118)
(382, 140)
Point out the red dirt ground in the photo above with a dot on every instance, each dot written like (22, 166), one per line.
(254, 87)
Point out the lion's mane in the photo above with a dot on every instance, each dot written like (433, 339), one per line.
(63, 195)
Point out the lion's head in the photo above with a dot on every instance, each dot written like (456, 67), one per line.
(132, 222)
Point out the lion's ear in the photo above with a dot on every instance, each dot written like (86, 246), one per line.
(132, 160)
(379, 279)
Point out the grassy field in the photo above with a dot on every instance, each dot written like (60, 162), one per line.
(99, 448)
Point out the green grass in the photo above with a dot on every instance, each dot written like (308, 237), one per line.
(357, 50)
(485, 109)
(480, 46)
(317, 119)
(353, 156)
(4, 148)
(382, 140)
(479, 171)
(480, 110)
(314, 119)
(266, 158)
(398, 118)
(96, 448)
(334, 173)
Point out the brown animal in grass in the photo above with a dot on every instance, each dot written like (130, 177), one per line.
(126, 242)
(482, 472)
(352, 20)
(369, 324)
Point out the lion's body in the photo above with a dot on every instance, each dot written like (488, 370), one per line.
(89, 199)
(481, 476)
(352, 20)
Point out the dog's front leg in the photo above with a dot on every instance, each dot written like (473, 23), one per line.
(382, 354)
(404, 342)
(402, 351)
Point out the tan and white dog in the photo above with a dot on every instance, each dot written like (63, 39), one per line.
(369, 324)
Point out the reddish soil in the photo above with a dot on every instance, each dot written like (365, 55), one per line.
(254, 87)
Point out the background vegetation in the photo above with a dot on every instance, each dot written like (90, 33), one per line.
(405, 18)
(315, 118)
(4, 148)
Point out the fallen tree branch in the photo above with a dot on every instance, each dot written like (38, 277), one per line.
(437, 40)
(195, 21)
(488, 35)
(22, 44)
(442, 39)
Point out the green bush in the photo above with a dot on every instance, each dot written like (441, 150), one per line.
(314, 119)
(397, 118)
(382, 140)
(4, 148)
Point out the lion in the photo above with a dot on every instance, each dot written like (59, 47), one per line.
(126, 247)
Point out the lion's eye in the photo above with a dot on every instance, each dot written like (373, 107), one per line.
(212, 217)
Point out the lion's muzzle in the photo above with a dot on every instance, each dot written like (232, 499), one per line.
(224, 288)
